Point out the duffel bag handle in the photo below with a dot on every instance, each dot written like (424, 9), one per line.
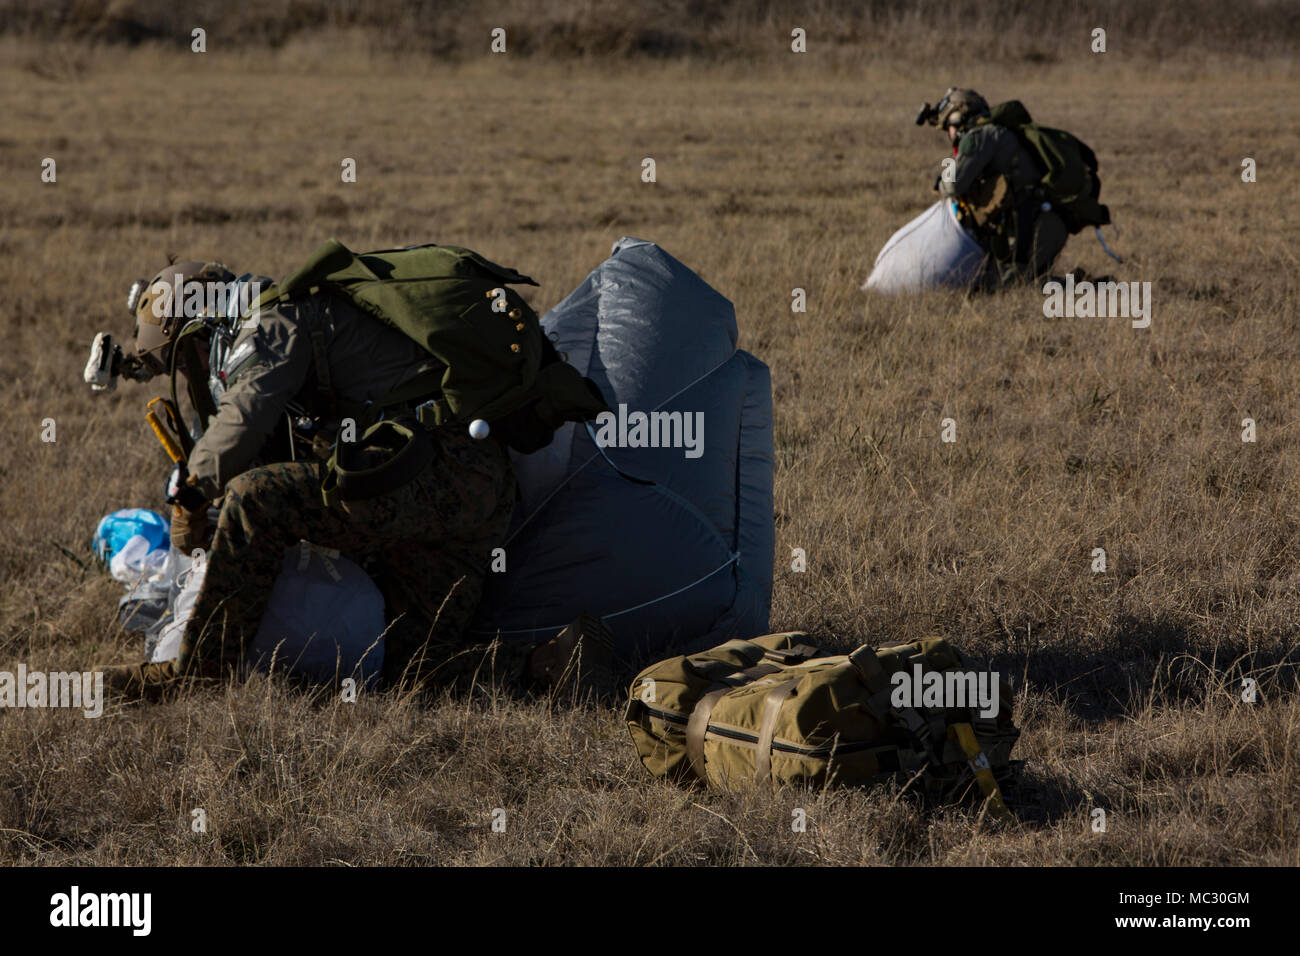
(793, 655)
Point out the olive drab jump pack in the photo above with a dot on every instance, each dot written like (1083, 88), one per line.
(495, 363)
(1069, 182)
(777, 711)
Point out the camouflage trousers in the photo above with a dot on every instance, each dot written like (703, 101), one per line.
(427, 545)
(1040, 237)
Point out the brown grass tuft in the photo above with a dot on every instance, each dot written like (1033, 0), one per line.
(775, 172)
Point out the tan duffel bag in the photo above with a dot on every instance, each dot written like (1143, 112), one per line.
(777, 711)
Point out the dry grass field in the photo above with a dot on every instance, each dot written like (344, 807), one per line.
(775, 171)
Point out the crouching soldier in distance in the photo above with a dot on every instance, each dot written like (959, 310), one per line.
(995, 181)
(413, 494)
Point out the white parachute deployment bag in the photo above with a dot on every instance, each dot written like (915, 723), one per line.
(325, 619)
(931, 251)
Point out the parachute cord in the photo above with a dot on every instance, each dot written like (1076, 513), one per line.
(609, 461)
(1097, 229)
(627, 610)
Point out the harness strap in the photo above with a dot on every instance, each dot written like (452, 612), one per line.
(184, 358)
(423, 385)
(320, 328)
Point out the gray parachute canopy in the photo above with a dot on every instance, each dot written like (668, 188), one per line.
(673, 545)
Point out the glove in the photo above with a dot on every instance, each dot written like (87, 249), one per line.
(190, 528)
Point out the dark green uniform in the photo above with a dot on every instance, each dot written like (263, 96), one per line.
(427, 544)
(1026, 240)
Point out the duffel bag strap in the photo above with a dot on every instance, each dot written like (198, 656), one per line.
(771, 710)
(873, 675)
(697, 727)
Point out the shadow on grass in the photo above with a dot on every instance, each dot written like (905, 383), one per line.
(1042, 800)
(1144, 663)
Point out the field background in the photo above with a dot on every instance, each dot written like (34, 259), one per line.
(775, 171)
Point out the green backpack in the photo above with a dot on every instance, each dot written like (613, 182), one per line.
(1070, 182)
(495, 362)
(776, 711)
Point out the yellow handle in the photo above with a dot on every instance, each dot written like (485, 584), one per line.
(169, 444)
(965, 735)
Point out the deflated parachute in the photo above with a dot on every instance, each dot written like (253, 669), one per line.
(930, 251)
(658, 516)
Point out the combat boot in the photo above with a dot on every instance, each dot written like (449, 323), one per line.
(147, 681)
(580, 658)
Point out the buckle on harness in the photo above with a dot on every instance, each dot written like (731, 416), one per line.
(427, 413)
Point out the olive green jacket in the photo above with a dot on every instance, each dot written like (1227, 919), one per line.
(272, 363)
(989, 149)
